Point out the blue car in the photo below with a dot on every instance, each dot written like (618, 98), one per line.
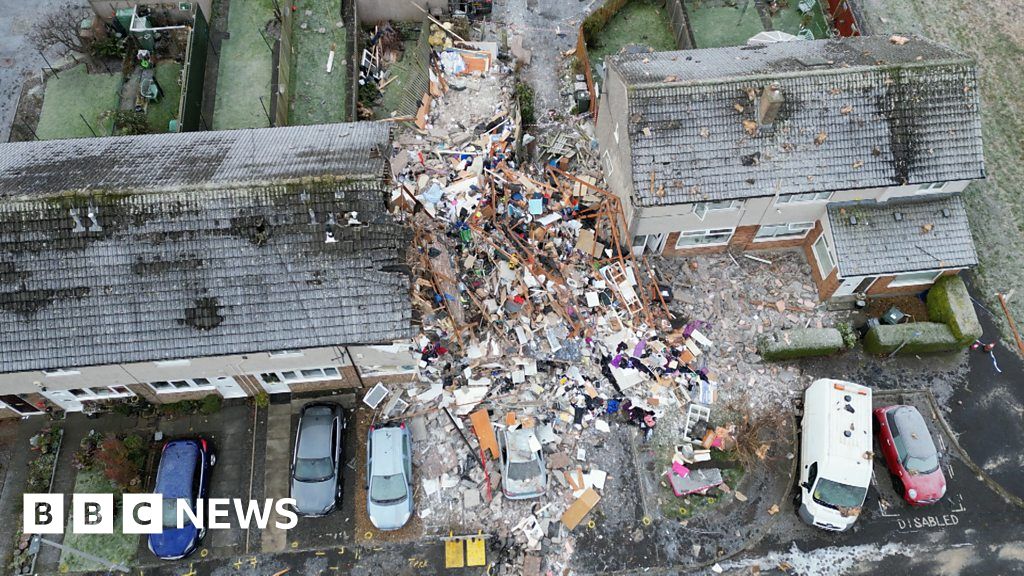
(183, 474)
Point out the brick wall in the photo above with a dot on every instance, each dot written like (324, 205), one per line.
(829, 284)
(742, 239)
(6, 413)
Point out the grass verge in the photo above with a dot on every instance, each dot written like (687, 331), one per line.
(76, 94)
(117, 548)
(246, 66)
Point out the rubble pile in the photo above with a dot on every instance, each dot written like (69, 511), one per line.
(534, 316)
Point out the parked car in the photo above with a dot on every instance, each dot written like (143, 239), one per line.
(183, 474)
(389, 476)
(910, 454)
(523, 473)
(315, 473)
(835, 453)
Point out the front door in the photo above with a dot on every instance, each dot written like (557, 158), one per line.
(229, 387)
(848, 287)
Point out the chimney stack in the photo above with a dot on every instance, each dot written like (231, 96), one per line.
(769, 105)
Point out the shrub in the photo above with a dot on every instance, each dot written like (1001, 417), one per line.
(915, 338)
(210, 404)
(123, 460)
(524, 96)
(850, 337)
(261, 400)
(799, 343)
(950, 303)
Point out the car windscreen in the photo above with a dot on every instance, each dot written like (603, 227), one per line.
(523, 470)
(388, 489)
(921, 465)
(838, 495)
(314, 469)
(170, 510)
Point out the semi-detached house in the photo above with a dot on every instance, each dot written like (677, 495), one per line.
(178, 265)
(855, 150)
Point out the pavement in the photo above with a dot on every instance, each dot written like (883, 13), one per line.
(18, 57)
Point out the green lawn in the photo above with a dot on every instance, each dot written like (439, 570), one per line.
(318, 97)
(404, 76)
(117, 547)
(246, 65)
(790, 19)
(716, 24)
(161, 112)
(643, 22)
(78, 92)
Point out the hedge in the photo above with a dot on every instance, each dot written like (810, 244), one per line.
(919, 337)
(949, 303)
(799, 343)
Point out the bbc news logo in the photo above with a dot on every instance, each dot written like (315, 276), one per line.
(148, 513)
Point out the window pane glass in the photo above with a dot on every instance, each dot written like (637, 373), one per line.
(78, 392)
(160, 385)
(201, 381)
(312, 373)
(331, 371)
(180, 383)
(269, 377)
(824, 258)
(289, 375)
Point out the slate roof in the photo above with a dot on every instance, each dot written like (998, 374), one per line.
(890, 115)
(204, 269)
(156, 162)
(880, 244)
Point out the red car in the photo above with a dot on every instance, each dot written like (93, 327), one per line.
(910, 454)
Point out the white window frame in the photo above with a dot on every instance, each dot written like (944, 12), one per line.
(182, 385)
(172, 363)
(828, 252)
(792, 233)
(286, 354)
(297, 375)
(896, 282)
(933, 188)
(704, 233)
(101, 392)
(794, 198)
(701, 209)
(60, 372)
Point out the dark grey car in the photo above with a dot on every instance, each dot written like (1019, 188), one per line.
(315, 478)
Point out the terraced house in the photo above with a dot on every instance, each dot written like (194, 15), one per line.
(855, 150)
(174, 266)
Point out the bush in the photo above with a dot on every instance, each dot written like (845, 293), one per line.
(210, 404)
(601, 17)
(949, 303)
(915, 338)
(850, 337)
(799, 343)
(524, 96)
(124, 458)
(261, 400)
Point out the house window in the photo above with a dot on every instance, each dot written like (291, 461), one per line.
(168, 386)
(701, 209)
(823, 256)
(711, 237)
(303, 375)
(808, 197)
(931, 188)
(779, 231)
(914, 279)
(100, 392)
(640, 240)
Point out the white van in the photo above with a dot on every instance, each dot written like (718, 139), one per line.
(835, 453)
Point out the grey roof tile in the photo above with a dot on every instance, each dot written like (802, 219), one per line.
(891, 115)
(231, 260)
(925, 238)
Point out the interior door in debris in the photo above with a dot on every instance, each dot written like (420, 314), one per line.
(648, 244)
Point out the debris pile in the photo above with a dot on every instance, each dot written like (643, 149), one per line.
(537, 323)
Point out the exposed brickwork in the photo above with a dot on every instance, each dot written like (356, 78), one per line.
(881, 286)
(742, 239)
(303, 387)
(6, 413)
(828, 285)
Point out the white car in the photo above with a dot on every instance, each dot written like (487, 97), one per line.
(389, 477)
(523, 473)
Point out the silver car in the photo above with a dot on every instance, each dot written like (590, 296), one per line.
(315, 482)
(523, 472)
(389, 477)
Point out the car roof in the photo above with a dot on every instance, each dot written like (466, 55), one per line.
(315, 432)
(386, 444)
(913, 431)
(518, 445)
(177, 465)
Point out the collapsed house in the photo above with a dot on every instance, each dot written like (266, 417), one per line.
(855, 150)
(173, 266)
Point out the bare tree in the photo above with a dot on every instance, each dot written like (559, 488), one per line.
(59, 29)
